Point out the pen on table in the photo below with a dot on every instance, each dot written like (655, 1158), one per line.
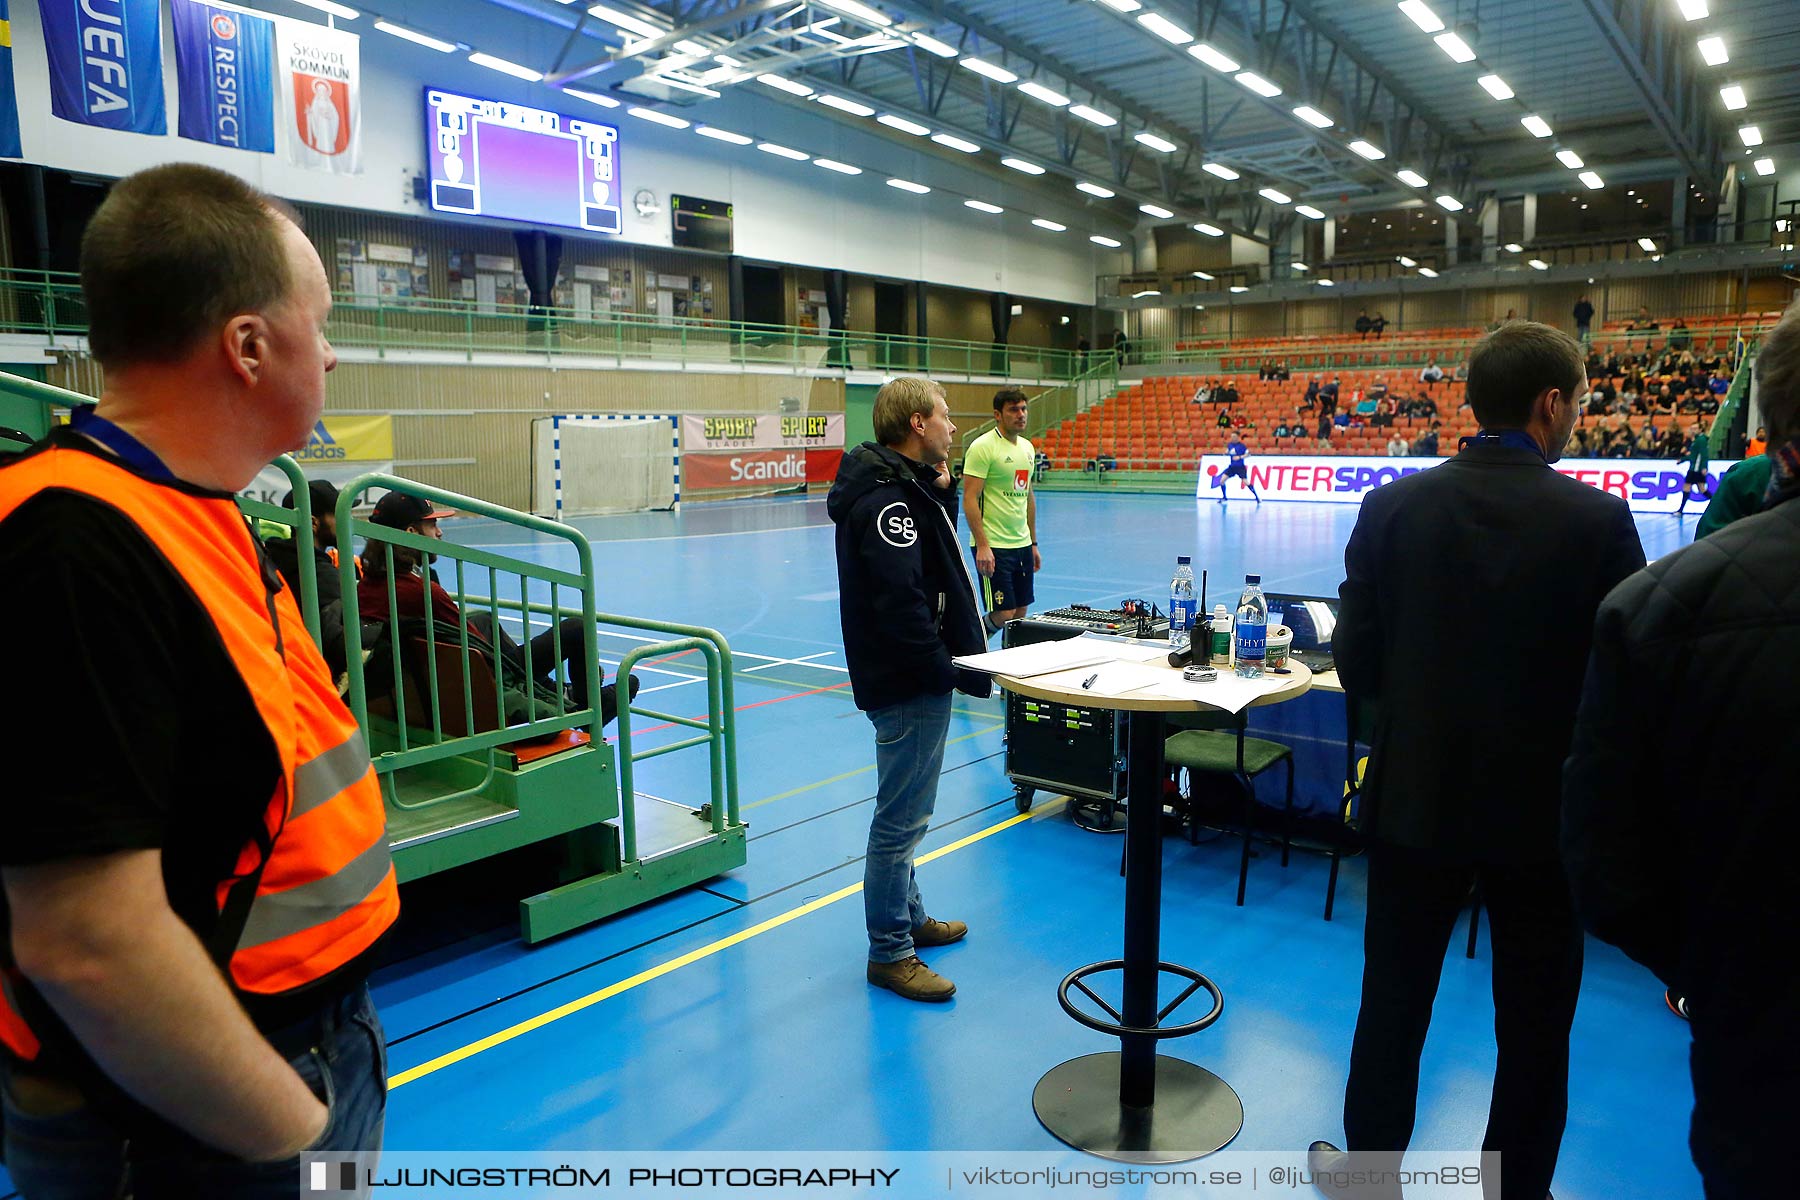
(1089, 681)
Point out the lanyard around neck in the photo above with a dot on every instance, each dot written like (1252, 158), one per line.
(131, 452)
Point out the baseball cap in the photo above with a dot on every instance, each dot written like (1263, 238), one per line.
(324, 495)
(397, 510)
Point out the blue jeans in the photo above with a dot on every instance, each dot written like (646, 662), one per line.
(85, 1154)
(909, 754)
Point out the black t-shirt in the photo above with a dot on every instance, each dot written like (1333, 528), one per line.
(151, 740)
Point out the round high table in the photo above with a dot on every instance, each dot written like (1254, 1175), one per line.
(1133, 1104)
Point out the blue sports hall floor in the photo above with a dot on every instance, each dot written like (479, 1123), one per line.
(776, 1042)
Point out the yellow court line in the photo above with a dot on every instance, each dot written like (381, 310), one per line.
(852, 774)
(675, 964)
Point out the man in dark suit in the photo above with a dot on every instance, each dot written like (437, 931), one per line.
(1466, 613)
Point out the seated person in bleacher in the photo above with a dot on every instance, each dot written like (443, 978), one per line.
(1709, 403)
(1679, 336)
(1342, 420)
(1424, 407)
(1579, 445)
(1282, 373)
(1203, 394)
(1227, 394)
(1378, 325)
(412, 592)
(1384, 413)
(1426, 446)
(1624, 441)
(1310, 400)
(284, 552)
(1642, 321)
(1224, 418)
(1719, 385)
(1647, 442)
(1365, 405)
(1461, 374)
(1282, 430)
(1396, 447)
(1432, 373)
(1379, 388)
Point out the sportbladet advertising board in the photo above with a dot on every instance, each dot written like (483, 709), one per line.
(1648, 485)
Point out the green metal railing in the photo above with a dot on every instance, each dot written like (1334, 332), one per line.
(50, 304)
(1734, 397)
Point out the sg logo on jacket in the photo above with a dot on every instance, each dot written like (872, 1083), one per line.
(895, 524)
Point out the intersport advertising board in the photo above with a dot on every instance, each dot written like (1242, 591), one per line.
(1647, 485)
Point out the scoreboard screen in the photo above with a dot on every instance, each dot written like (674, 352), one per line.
(491, 158)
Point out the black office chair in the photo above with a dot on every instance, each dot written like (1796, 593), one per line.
(1359, 727)
(1215, 744)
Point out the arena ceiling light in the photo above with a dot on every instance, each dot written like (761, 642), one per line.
(1094, 116)
(831, 164)
(855, 108)
(1752, 135)
(983, 206)
(1327, 283)
(1052, 226)
(1514, 248)
(591, 97)
(343, 11)
(1145, 293)
(1421, 15)
(1219, 169)
(1428, 273)
(1275, 197)
(955, 143)
(1038, 91)
(1411, 179)
(1592, 180)
(1496, 87)
(415, 37)
(1570, 159)
(1455, 47)
(1648, 245)
(1450, 203)
(1539, 127)
(656, 118)
(1733, 96)
(1155, 210)
(1314, 117)
(722, 135)
(1209, 230)
(1299, 266)
(1259, 85)
(1538, 264)
(1215, 59)
(862, 12)
(1094, 189)
(1020, 164)
(1368, 150)
(780, 151)
(988, 70)
(1765, 166)
(1712, 49)
(1693, 10)
(903, 125)
(1161, 144)
(1238, 289)
(509, 68)
(907, 185)
(1124, 6)
(1203, 275)
(781, 84)
(625, 21)
(1109, 243)
(932, 46)
(1405, 262)
(1309, 212)
(1165, 29)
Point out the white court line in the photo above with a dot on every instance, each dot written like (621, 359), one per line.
(663, 687)
(798, 662)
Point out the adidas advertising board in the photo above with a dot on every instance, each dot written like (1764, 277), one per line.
(340, 449)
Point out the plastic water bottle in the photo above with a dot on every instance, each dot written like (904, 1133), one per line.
(1250, 632)
(1181, 605)
(1219, 649)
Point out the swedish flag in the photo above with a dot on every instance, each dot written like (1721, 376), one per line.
(9, 100)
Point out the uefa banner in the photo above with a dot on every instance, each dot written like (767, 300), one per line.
(9, 100)
(225, 71)
(106, 63)
(819, 431)
(1648, 486)
(319, 80)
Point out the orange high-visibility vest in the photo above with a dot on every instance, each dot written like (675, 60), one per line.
(314, 887)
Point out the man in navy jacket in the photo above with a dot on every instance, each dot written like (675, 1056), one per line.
(908, 605)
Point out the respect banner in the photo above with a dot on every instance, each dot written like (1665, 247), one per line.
(225, 75)
(105, 61)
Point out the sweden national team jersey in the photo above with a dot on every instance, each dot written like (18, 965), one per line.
(1005, 471)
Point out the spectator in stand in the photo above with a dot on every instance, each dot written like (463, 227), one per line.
(1218, 392)
(1230, 395)
(1427, 444)
(1660, 406)
(1461, 374)
(1364, 406)
(1342, 420)
(1224, 418)
(1282, 372)
(1378, 325)
(1363, 324)
(1432, 373)
(1671, 444)
(1379, 388)
(1384, 413)
(1707, 403)
(1647, 442)
(1265, 369)
(1758, 444)
(1121, 346)
(1719, 385)
(1282, 430)
(1578, 445)
(1203, 394)
(1396, 446)
(1584, 318)
(1679, 337)
(1624, 441)
(1643, 320)
(1310, 401)
(1606, 392)
(1689, 405)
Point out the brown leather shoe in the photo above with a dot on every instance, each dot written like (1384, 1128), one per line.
(911, 979)
(939, 933)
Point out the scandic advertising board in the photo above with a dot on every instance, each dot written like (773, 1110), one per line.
(1647, 485)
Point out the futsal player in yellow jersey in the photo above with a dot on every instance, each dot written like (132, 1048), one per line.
(1001, 506)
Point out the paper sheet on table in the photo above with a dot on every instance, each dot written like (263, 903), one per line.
(1039, 658)
(1227, 692)
(1109, 678)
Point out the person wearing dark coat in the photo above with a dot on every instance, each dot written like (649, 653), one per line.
(1683, 861)
(1508, 559)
